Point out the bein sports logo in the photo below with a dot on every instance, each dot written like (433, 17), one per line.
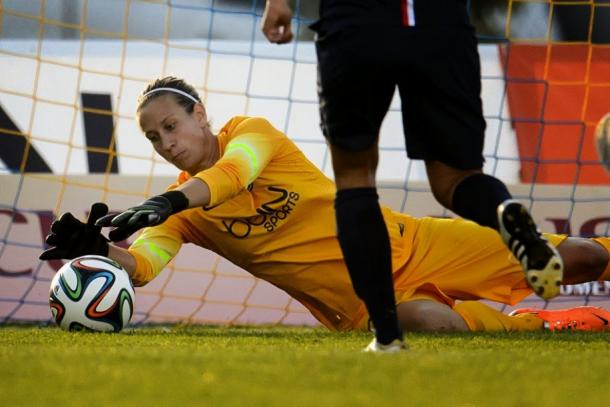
(270, 214)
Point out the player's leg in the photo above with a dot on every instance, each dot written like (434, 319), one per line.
(486, 200)
(446, 128)
(468, 192)
(461, 259)
(465, 261)
(423, 315)
(585, 259)
(364, 239)
(604, 243)
(429, 315)
(351, 111)
(584, 318)
(444, 125)
(455, 259)
(482, 317)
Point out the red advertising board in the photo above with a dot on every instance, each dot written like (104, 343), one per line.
(556, 95)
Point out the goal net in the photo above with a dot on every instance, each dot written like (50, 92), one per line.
(72, 70)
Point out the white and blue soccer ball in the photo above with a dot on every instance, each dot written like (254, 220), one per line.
(92, 293)
(602, 141)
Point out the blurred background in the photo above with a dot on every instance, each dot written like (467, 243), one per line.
(573, 20)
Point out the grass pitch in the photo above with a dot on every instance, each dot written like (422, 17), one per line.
(276, 366)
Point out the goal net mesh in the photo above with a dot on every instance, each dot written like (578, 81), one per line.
(72, 70)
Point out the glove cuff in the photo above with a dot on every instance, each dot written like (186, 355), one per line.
(177, 199)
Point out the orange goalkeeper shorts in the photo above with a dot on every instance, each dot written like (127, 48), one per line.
(456, 259)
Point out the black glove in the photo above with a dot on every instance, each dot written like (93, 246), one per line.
(151, 212)
(72, 238)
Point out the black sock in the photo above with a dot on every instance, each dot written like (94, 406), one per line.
(477, 198)
(364, 241)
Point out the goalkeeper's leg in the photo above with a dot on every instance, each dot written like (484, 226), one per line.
(585, 260)
(600, 268)
(429, 315)
(426, 314)
(432, 316)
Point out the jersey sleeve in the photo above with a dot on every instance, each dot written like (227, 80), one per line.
(250, 148)
(154, 248)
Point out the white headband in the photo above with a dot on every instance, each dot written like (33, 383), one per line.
(178, 91)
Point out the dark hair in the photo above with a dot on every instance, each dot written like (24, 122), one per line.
(169, 82)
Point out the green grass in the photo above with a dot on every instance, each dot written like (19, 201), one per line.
(215, 366)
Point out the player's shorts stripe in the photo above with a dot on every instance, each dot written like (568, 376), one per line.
(408, 12)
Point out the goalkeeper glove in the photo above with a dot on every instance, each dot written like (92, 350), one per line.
(72, 238)
(151, 212)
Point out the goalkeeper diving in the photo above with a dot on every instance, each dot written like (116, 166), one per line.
(249, 194)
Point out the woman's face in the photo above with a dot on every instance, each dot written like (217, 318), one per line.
(183, 139)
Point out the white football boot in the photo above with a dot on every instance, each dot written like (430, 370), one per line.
(395, 346)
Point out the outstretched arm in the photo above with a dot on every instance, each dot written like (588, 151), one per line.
(155, 210)
(196, 192)
(146, 257)
(124, 258)
(276, 21)
(252, 147)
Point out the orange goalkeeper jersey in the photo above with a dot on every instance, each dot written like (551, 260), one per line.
(271, 213)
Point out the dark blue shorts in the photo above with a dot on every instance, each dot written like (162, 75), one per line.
(437, 72)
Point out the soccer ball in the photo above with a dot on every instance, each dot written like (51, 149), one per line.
(91, 293)
(602, 141)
